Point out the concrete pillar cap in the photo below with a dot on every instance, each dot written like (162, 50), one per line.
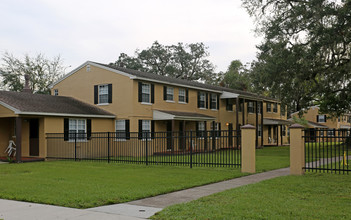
(248, 126)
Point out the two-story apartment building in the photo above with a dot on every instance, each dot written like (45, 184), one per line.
(149, 102)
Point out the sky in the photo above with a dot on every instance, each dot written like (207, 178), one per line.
(81, 30)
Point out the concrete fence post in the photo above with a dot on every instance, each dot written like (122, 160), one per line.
(297, 150)
(248, 149)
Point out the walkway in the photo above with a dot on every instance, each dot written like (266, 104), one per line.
(139, 209)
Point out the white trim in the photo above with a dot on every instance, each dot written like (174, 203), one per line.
(9, 107)
(228, 95)
(65, 115)
(182, 102)
(146, 103)
(102, 104)
(170, 101)
(159, 115)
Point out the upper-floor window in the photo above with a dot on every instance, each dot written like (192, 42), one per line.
(202, 100)
(275, 107)
(77, 129)
(182, 95)
(321, 118)
(349, 119)
(229, 104)
(282, 110)
(250, 107)
(103, 94)
(56, 92)
(145, 93)
(259, 107)
(214, 101)
(269, 107)
(168, 93)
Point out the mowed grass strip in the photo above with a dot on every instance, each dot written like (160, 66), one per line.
(91, 184)
(312, 196)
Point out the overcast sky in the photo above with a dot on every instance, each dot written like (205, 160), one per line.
(81, 30)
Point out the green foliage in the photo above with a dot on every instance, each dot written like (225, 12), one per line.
(184, 61)
(305, 55)
(42, 71)
(312, 196)
(237, 77)
(302, 121)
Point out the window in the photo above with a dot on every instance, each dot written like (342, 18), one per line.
(275, 107)
(213, 101)
(103, 94)
(146, 129)
(282, 110)
(145, 93)
(321, 118)
(349, 119)
(216, 128)
(269, 107)
(283, 130)
(56, 92)
(202, 100)
(250, 107)
(229, 104)
(77, 127)
(121, 129)
(201, 129)
(259, 130)
(182, 95)
(170, 92)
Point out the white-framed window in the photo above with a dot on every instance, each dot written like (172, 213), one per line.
(145, 92)
(182, 95)
(77, 127)
(259, 107)
(103, 94)
(213, 101)
(201, 129)
(321, 118)
(170, 93)
(283, 130)
(121, 129)
(146, 129)
(250, 107)
(216, 129)
(202, 101)
(56, 92)
(259, 130)
(269, 107)
(275, 107)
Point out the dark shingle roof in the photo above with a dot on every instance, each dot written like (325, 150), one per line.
(39, 103)
(168, 79)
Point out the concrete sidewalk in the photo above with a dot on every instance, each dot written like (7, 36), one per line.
(139, 209)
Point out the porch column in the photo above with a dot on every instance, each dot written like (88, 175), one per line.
(256, 124)
(262, 124)
(243, 112)
(237, 120)
(277, 135)
(172, 136)
(19, 139)
(281, 135)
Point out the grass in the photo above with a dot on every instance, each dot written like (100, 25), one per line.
(312, 196)
(91, 184)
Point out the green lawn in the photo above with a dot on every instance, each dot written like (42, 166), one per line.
(91, 184)
(312, 196)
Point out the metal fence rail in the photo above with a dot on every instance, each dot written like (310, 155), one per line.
(190, 148)
(327, 150)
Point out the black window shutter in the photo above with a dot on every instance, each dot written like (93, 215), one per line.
(317, 119)
(140, 85)
(96, 94)
(219, 129)
(206, 100)
(325, 118)
(152, 93)
(211, 105)
(197, 129)
(66, 129)
(127, 129)
(164, 92)
(140, 133)
(109, 93)
(89, 129)
(187, 95)
(198, 99)
(217, 102)
(152, 129)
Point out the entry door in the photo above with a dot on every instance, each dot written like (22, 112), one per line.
(34, 137)
(230, 135)
(169, 135)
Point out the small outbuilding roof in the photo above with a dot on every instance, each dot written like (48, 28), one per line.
(39, 104)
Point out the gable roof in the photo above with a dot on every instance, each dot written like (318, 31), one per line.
(135, 74)
(38, 104)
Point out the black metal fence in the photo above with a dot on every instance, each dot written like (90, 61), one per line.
(327, 150)
(190, 148)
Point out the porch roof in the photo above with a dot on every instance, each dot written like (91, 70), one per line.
(345, 127)
(273, 121)
(46, 105)
(312, 124)
(186, 116)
